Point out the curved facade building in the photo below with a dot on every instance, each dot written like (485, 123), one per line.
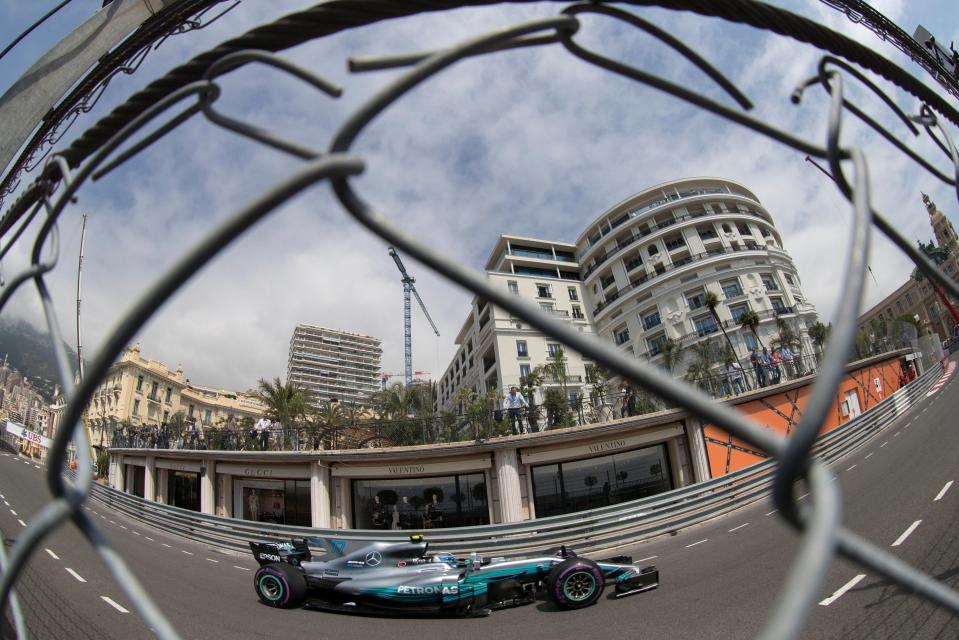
(648, 263)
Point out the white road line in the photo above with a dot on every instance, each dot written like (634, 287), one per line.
(37, 466)
(111, 522)
(52, 554)
(113, 604)
(75, 574)
(122, 527)
(895, 435)
(883, 444)
(136, 533)
(906, 533)
(6, 503)
(695, 543)
(745, 524)
(868, 456)
(851, 468)
(165, 545)
(245, 569)
(148, 538)
(802, 496)
(213, 561)
(189, 553)
(942, 492)
(13, 512)
(22, 523)
(843, 589)
(771, 512)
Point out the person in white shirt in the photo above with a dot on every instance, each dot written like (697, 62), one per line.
(513, 402)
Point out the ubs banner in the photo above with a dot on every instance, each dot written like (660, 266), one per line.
(25, 434)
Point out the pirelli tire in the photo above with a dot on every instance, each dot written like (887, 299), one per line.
(575, 583)
(280, 585)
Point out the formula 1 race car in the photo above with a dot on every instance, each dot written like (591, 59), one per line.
(391, 578)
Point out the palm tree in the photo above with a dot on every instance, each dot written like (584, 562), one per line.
(712, 301)
(700, 370)
(672, 353)
(286, 403)
(819, 334)
(328, 418)
(750, 320)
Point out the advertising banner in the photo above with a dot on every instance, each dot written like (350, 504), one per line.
(24, 433)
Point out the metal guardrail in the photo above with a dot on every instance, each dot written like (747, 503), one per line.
(588, 531)
(192, 90)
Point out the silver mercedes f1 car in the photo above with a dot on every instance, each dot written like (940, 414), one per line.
(402, 577)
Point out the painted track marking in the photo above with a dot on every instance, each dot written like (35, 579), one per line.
(906, 533)
(245, 569)
(695, 543)
(75, 574)
(745, 524)
(942, 492)
(52, 554)
(843, 589)
(113, 604)
(643, 560)
(851, 468)
(22, 523)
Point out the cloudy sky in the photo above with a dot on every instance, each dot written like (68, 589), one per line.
(531, 142)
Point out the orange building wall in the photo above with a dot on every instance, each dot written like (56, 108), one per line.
(781, 410)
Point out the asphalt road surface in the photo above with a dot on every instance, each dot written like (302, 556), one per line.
(719, 580)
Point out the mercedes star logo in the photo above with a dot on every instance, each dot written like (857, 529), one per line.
(373, 558)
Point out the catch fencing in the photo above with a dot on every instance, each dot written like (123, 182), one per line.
(191, 91)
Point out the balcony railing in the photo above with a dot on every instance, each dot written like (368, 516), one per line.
(664, 269)
(640, 233)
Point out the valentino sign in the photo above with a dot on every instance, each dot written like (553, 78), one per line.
(606, 446)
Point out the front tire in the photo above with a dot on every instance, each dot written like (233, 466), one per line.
(575, 583)
(280, 585)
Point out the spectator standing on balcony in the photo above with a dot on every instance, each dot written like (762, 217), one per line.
(788, 360)
(513, 402)
(767, 364)
(758, 371)
(734, 371)
(775, 362)
(629, 401)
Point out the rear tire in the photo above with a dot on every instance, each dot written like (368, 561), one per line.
(280, 585)
(575, 583)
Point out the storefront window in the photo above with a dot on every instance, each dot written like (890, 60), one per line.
(420, 503)
(183, 489)
(274, 501)
(138, 481)
(596, 482)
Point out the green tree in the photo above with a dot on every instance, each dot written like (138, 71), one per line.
(819, 334)
(556, 368)
(750, 320)
(712, 301)
(528, 385)
(558, 412)
(700, 371)
(672, 353)
(287, 403)
(598, 379)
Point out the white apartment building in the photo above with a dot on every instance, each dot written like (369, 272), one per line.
(650, 260)
(637, 276)
(496, 349)
(334, 364)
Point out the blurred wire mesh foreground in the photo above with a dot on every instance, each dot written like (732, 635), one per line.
(191, 91)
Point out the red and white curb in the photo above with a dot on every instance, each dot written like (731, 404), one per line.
(950, 370)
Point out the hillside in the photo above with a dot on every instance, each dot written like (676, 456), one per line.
(30, 352)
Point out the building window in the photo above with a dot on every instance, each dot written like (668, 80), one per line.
(731, 288)
(139, 383)
(166, 416)
(523, 371)
(909, 299)
(632, 263)
(674, 243)
(706, 233)
(513, 286)
(169, 394)
(778, 305)
(136, 407)
(737, 311)
(553, 349)
(621, 335)
(899, 306)
(207, 416)
(651, 319)
(789, 278)
(743, 229)
(656, 343)
(750, 340)
(578, 485)
(544, 291)
(768, 282)
(573, 295)
(696, 299)
(547, 306)
(705, 325)
(190, 410)
(521, 350)
(153, 390)
(578, 313)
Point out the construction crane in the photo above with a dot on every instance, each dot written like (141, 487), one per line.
(408, 289)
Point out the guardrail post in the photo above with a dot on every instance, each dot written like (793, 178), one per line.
(507, 481)
(117, 472)
(207, 474)
(149, 479)
(320, 495)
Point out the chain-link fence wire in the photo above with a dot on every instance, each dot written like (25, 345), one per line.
(192, 89)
